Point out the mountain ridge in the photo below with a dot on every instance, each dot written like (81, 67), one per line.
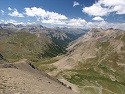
(59, 35)
(96, 59)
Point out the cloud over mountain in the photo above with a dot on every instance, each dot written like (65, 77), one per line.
(77, 22)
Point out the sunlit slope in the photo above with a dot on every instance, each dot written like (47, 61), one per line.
(95, 62)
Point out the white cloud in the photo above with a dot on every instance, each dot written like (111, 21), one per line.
(81, 23)
(105, 7)
(112, 2)
(75, 3)
(96, 10)
(9, 9)
(15, 13)
(43, 14)
(117, 6)
(69, 22)
(11, 21)
(29, 23)
(1, 21)
(76, 22)
(98, 18)
(2, 11)
(54, 15)
(119, 9)
(53, 21)
(32, 12)
(105, 25)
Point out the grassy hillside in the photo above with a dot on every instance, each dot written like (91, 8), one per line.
(18, 45)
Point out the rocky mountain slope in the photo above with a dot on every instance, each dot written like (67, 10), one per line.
(95, 62)
(23, 78)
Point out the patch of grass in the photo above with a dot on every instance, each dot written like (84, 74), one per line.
(103, 67)
(122, 37)
(90, 62)
(90, 77)
(103, 45)
(43, 61)
(49, 61)
(45, 64)
(47, 68)
(89, 90)
(118, 37)
(80, 75)
(34, 59)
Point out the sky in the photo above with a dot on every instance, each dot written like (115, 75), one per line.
(65, 13)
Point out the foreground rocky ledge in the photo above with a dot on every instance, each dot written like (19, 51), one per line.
(21, 78)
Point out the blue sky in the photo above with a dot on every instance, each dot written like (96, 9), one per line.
(68, 13)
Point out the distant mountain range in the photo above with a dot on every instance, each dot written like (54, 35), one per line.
(38, 27)
(61, 36)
